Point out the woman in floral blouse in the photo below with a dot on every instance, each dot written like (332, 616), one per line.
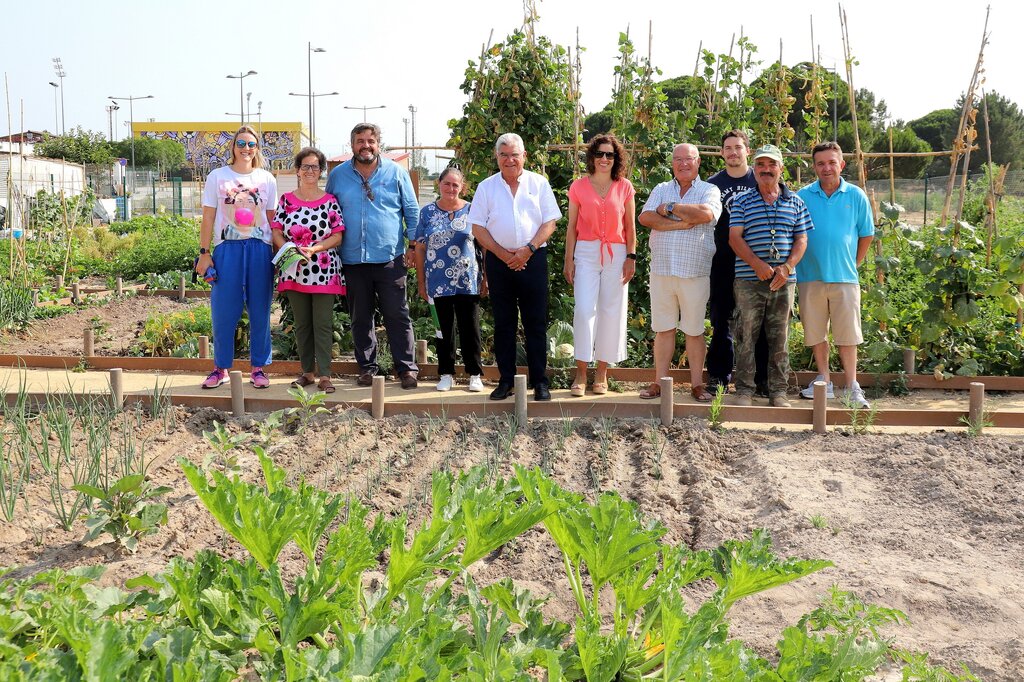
(311, 219)
(450, 276)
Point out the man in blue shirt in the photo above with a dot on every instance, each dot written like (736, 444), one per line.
(380, 211)
(828, 281)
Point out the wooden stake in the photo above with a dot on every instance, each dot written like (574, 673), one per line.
(862, 175)
(819, 416)
(421, 351)
(377, 397)
(119, 287)
(990, 217)
(667, 401)
(519, 384)
(909, 361)
(181, 288)
(204, 347)
(60, 282)
(76, 293)
(976, 406)
(237, 393)
(88, 342)
(116, 388)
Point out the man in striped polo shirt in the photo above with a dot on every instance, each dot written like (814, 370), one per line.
(768, 232)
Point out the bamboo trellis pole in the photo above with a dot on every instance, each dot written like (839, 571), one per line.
(959, 141)
(862, 176)
(990, 217)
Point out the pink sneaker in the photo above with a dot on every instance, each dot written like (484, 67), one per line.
(258, 378)
(217, 377)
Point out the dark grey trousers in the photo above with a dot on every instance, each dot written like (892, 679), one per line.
(380, 285)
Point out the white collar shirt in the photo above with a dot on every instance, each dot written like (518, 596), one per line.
(511, 220)
(684, 253)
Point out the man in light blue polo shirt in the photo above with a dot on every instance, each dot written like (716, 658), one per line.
(380, 212)
(827, 276)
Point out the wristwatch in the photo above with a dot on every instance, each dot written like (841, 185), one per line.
(631, 256)
(668, 208)
(203, 252)
(531, 247)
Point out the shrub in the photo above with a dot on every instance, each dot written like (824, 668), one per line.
(168, 247)
(15, 306)
(167, 334)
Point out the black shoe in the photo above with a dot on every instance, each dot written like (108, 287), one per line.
(541, 392)
(761, 391)
(502, 391)
(714, 383)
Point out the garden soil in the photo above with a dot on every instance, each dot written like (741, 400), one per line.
(931, 524)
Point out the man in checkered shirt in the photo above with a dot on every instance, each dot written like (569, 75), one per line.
(681, 214)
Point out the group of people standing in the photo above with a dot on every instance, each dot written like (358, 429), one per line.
(740, 240)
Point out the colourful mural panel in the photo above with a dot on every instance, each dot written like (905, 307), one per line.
(207, 145)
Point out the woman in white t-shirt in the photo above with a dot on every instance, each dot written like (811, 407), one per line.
(236, 241)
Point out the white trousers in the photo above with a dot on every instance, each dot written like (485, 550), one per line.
(599, 320)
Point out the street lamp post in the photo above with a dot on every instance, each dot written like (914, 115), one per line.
(309, 92)
(412, 111)
(312, 112)
(56, 119)
(364, 109)
(131, 126)
(259, 114)
(241, 91)
(59, 70)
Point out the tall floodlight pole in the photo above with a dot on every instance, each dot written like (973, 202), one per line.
(309, 92)
(131, 126)
(248, 107)
(110, 118)
(59, 70)
(241, 91)
(259, 114)
(405, 122)
(56, 115)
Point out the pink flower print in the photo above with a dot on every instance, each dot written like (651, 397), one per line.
(301, 235)
(289, 207)
(336, 280)
(323, 259)
(333, 219)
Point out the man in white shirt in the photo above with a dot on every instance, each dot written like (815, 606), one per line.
(681, 214)
(513, 214)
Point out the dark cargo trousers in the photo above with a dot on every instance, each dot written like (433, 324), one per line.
(757, 304)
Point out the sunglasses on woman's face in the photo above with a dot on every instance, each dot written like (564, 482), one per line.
(604, 155)
(242, 144)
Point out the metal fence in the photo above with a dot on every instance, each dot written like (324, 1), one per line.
(924, 198)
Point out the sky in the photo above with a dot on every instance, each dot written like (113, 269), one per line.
(916, 55)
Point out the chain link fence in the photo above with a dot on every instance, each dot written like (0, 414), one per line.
(924, 198)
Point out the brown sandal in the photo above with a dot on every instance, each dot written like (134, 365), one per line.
(325, 385)
(578, 390)
(700, 394)
(651, 392)
(303, 381)
(600, 387)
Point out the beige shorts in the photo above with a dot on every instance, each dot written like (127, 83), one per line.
(679, 302)
(824, 304)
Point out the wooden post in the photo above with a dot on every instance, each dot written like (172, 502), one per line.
(181, 288)
(820, 406)
(237, 393)
(35, 298)
(116, 388)
(909, 361)
(60, 282)
(421, 351)
(976, 407)
(88, 342)
(377, 397)
(666, 401)
(519, 384)
(76, 293)
(204, 347)
(119, 287)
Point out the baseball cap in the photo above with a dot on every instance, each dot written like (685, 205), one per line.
(768, 151)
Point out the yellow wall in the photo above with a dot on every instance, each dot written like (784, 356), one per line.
(206, 143)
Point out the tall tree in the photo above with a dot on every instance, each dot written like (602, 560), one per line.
(77, 146)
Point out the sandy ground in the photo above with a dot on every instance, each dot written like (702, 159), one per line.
(932, 524)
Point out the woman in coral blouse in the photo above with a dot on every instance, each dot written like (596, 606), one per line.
(600, 259)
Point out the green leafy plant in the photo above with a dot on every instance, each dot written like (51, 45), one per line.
(225, 445)
(976, 426)
(715, 409)
(310, 405)
(125, 510)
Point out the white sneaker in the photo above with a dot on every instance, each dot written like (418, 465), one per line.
(809, 391)
(854, 395)
(476, 384)
(445, 384)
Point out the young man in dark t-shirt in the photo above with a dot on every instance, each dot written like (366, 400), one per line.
(736, 178)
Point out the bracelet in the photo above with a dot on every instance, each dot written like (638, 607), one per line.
(531, 247)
